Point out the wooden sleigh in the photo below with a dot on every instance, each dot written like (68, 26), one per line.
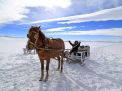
(82, 55)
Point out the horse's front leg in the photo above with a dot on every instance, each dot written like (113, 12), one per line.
(47, 69)
(42, 70)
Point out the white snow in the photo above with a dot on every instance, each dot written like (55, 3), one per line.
(19, 72)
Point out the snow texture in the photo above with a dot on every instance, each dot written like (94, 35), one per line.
(101, 72)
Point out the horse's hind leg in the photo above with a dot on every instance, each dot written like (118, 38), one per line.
(47, 69)
(42, 70)
(62, 62)
(59, 62)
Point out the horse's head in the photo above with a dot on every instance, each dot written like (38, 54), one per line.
(35, 36)
(33, 33)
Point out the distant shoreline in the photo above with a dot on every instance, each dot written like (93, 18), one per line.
(68, 40)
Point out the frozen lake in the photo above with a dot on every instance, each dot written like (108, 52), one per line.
(19, 72)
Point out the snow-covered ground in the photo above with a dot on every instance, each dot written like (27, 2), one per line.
(19, 72)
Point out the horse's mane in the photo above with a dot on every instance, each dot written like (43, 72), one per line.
(41, 34)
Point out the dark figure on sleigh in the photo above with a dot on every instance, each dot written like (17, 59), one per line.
(75, 46)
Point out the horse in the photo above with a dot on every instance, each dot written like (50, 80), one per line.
(46, 49)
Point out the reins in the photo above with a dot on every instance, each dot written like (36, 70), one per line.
(45, 48)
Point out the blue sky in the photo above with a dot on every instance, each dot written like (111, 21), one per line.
(94, 20)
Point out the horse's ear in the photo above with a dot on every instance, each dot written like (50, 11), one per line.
(39, 27)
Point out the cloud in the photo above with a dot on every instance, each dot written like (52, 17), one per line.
(58, 29)
(20, 10)
(108, 32)
(103, 15)
(15, 10)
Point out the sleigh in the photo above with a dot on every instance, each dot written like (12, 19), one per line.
(80, 56)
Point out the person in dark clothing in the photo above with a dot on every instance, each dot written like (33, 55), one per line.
(75, 46)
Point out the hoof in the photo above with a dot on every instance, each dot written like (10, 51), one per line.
(61, 72)
(57, 69)
(40, 79)
(45, 80)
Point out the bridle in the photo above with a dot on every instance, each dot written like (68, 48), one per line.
(36, 37)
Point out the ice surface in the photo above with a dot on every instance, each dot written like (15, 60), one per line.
(19, 72)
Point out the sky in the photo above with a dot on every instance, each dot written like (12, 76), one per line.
(85, 20)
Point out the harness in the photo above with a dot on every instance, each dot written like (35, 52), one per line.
(45, 42)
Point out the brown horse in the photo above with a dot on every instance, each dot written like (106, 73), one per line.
(46, 48)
